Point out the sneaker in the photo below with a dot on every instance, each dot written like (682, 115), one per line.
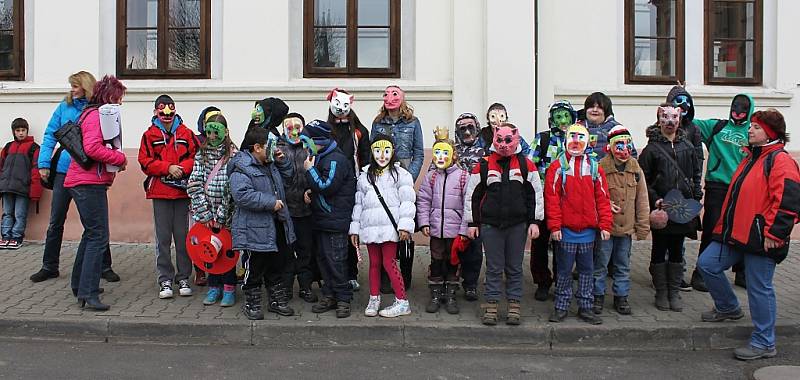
(110, 276)
(4, 243)
(13, 244)
(751, 353)
(184, 289)
(228, 298)
(685, 287)
(400, 307)
(342, 309)
(325, 304)
(212, 296)
(166, 290)
(558, 315)
(43, 275)
(354, 285)
(588, 316)
(718, 316)
(373, 306)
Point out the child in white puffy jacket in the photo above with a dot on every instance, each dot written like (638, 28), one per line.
(382, 216)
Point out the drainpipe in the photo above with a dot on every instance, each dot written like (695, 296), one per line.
(535, 67)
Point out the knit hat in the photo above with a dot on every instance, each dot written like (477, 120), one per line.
(318, 131)
(618, 132)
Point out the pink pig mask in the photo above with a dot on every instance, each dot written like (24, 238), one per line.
(669, 118)
(506, 141)
(393, 97)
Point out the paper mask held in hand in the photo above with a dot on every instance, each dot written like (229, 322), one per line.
(506, 140)
(215, 133)
(669, 118)
(382, 151)
(393, 98)
(577, 140)
(292, 127)
(340, 102)
(272, 145)
(309, 145)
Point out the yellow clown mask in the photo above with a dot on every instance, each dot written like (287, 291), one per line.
(443, 155)
(382, 152)
(577, 139)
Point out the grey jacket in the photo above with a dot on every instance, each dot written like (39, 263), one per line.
(255, 189)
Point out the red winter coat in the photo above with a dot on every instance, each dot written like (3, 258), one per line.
(758, 206)
(582, 202)
(159, 149)
(19, 173)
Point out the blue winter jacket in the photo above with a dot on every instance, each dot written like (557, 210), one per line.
(408, 144)
(256, 188)
(63, 113)
(333, 190)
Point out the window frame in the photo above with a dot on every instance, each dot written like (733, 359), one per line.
(163, 71)
(758, 45)
(680, 47)
(351, 70)
(17, 72)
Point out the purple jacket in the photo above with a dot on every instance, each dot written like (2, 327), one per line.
(440, 202)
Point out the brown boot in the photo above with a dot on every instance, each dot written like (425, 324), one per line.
(489, 317)
(513, 313)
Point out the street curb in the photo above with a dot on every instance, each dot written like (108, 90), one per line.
(391, 334)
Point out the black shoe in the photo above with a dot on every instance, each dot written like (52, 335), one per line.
(308, 295)
(621, 305)
(43, 275)
(110, 276)
(251, 308)
(685, 287)
(698, 283)
(717, 316)
(597, 306)
(436, 298)
(589, 317)
(740, 280)
(542, 293)
(93, 303)
(99, 291)
(325, 304)
(558, 315)
(450, 303)
(470, 294)
(279, 301)
(342, 309)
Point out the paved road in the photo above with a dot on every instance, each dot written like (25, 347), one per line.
(49, 360)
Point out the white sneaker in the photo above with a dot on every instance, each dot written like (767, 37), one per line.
(400, 307)
(373, 306)
(184, 289)
(166, 290)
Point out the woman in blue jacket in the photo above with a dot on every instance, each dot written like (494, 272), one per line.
(69, 110)
(396, 118)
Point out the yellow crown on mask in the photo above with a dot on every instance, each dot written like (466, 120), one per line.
(441, 134)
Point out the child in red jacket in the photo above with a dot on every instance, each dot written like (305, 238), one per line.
(166, 155)
(577, 206)
(19, 183)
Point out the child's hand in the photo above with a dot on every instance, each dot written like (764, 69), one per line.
(175, 171)
(307, 197)
(605, 235)
(354, 241)
(659, 203)
(309, 162)
(278, 205)
(426, 231)
(533, 231)
(278, 155)
(404, 235)
(473, 233)
(44, 173)
(615, 209)
(556, 235)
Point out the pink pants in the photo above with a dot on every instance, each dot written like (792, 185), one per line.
(385, 253)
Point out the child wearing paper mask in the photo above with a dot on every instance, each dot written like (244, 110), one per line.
(383, 215)
(496, 115)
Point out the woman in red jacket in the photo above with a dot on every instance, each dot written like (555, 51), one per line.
(755, 225)
(89, 187)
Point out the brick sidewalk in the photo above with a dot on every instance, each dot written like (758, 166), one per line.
(134, 301)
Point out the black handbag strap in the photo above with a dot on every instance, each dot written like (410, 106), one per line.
(385, 207)
(675, 163)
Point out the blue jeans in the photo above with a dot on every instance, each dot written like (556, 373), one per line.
(59, 207)
(618, 251)
(580, 256)
(15, 216)
(713, 263)
(92, 204)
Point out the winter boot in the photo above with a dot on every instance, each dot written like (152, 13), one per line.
(513, 317)
(659, 274)
(621, 305)
(489, 317)
(674, 278)
(697, 282)
(450, 298)
(252, 304)
(279, 300)
(436, 298)
(597, 306)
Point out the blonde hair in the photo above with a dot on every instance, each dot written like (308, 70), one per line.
(84, 80)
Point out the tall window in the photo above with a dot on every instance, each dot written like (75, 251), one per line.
(12, 56)
(164, 38)
(733, 42)
(351, 38)
(654, 41)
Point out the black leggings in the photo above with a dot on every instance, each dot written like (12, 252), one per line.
(665, 245)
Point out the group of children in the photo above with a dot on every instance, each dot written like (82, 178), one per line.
(299, 198)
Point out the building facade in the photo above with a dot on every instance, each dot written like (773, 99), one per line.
(450, 56)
